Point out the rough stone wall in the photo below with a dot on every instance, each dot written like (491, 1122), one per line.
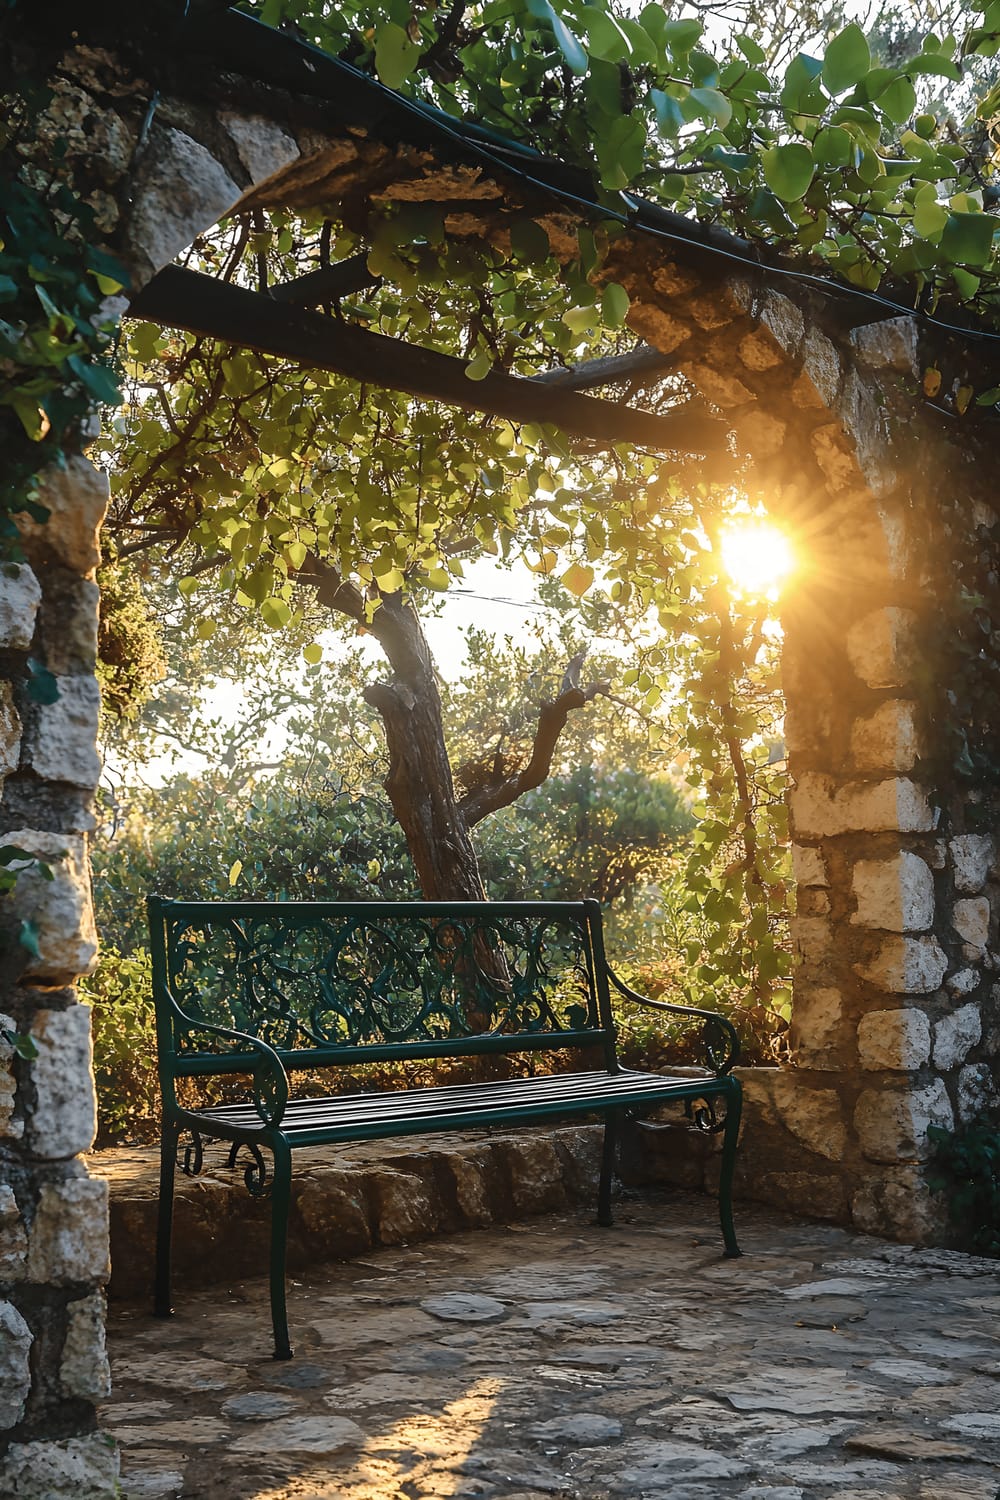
(895, 1011)
(893, 923)
(53, 1217)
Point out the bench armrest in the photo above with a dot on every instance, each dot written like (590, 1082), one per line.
(722, 1044)
(270, 1081)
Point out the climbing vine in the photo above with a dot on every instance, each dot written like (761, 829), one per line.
(852, 167)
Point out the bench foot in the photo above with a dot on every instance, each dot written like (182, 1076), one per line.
(280, 1203)
(734, 1105)
(609, 1155)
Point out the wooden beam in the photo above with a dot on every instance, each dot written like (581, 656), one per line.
(640, 366)
(328, 283)
(215, 309)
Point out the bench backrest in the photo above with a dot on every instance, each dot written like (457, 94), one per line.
(351, 981)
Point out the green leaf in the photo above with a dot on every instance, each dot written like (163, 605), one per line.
(898, 101)
(788, 170)
(713, 105)
(621, 152)
(395, 55)
(573, 53)
(28, 937)
(935, 63)
(615, 304)
(577, 579)
(42, 686)
(847, 59)
(669, 116)
(313, 653)
(480, 365)
(967, 239)
(235, 871)
(529, 240)
(681, 36)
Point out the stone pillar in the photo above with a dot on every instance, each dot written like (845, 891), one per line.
(53, 1216)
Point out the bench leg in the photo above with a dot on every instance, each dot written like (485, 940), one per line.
(612, 1121)
(281, 1196)
(165, 1220)
(734, 1107)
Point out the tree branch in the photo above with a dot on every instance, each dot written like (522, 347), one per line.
(552, 717)
(202, 305)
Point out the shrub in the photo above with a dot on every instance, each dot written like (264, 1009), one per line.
(120, 994)
(965, 1167)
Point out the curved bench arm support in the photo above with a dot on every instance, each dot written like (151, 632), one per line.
(722, 1044)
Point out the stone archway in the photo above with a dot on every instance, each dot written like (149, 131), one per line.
(893, 996)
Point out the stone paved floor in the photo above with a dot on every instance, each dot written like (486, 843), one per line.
(555, 1359)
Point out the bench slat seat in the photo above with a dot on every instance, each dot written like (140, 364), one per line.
(359, 1117)
(253, 992)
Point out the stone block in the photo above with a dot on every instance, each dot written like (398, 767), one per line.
(535, 1173)
(897, 1202)
(894, 1039)
(886, 740)
(783, 320)
(835, 458)
(822, 808)
(83, 1369)
(962, 983)
(404, 1208)
(864, 418)
(955, 1036)
(76, 1468)
(10, 731)
(892, 1123)
(68, 625)
(814, 1116)
(760, 433)
(60, 908)
(13, 1237)
(722, 390)
(808, 866)
(333, 1210)
(178, 190)
(978, 1094)
(469, 1171)
(11, 1126)
(758, 351)
(821, 366)
(15, 1372)
(76, 496)
(906, 966)
(888, 345)
(896, 895)
(812, 937)
(819, 1196)
(262, 146)
(971, 920)
(972, 855)
(20, 596)
(68, 1240)
(61, 741)
(881, 647)
(816, 1026)
(64, 1119)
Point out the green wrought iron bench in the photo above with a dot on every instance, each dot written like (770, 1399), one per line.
(265, 988)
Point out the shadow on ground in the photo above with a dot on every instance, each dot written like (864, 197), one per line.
(553, 1358)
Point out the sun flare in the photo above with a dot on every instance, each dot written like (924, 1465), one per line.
(757, 556)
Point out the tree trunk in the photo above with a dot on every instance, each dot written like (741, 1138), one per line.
(419, 783)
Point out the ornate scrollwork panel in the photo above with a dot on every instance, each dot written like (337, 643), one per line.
(352, 979)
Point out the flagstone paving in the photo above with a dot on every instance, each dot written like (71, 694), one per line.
(553, 1358)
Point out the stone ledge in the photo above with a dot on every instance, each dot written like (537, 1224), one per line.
(345, 1199)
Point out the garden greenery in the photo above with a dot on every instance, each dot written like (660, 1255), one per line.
(855, 168)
